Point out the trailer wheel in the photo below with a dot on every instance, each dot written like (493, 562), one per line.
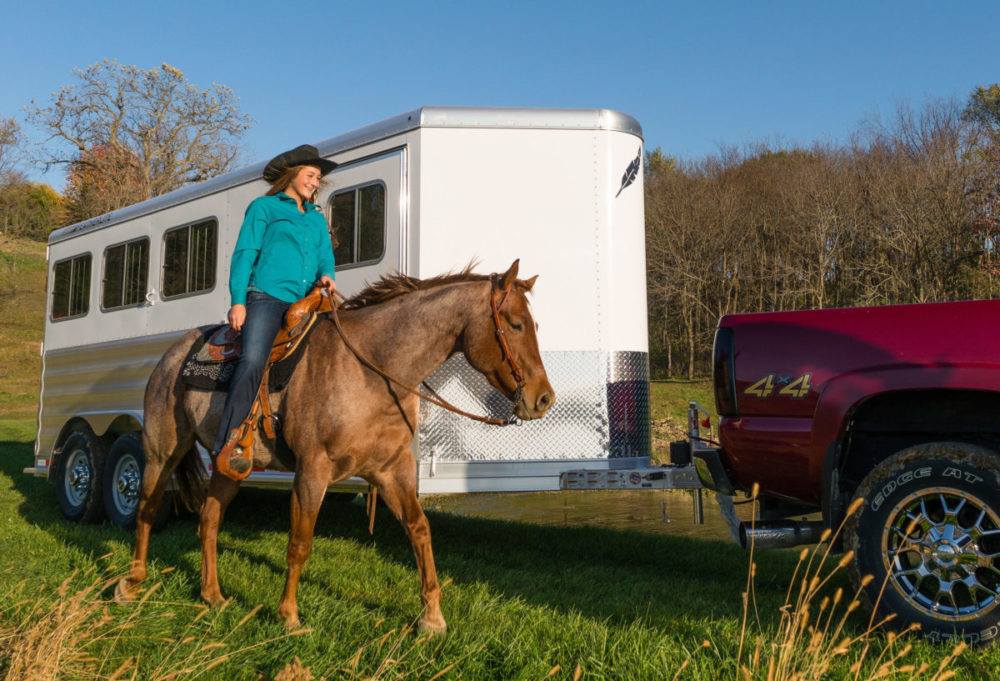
(122, 484)
(929, 534)
(78, 477)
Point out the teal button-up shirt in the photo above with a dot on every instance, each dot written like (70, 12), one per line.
(280, 250)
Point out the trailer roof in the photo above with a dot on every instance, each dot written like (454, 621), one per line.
(424, 117)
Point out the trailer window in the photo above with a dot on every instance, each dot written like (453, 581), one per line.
(357, 218)
(71, 287)
(189, 259)
(126, 271)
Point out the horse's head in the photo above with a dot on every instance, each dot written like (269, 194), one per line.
(506, 321)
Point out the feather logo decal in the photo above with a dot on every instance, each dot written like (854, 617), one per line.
(631, 172)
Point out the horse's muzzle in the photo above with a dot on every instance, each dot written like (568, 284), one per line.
(534, 404)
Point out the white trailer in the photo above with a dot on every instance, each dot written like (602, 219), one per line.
(423, 193)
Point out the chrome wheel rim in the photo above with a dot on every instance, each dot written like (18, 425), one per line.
(941, 549)
(125, 485)
(78, 477)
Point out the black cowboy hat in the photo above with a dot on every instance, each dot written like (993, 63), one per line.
(302, 155)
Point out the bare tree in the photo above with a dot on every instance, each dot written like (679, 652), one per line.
(10, 139)
(168, 130)
(908, 211)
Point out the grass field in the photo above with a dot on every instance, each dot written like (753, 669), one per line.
(22, 310)
(522, 601)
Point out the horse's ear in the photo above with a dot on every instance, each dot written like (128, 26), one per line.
(528, 283)
(511, 274)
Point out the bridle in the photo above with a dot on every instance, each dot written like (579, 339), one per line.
(498, 295)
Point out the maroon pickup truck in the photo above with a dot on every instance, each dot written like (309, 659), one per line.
(897, 405)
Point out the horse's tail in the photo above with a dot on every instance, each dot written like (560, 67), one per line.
(191, 479)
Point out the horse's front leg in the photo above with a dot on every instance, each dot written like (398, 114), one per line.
(312, 477)
(398, 489)
(221, 491)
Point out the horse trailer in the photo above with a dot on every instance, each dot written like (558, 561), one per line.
(422, 193)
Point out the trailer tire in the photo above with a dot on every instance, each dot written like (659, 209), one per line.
(928, 532)
(78, 477)
(122, 484)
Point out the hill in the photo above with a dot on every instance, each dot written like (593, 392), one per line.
(22, 324)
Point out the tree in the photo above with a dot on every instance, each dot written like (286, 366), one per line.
(982, 112)
(907, 212)
(10, 138)
(104, 179)
(151, 125)
(983, 108)
(29, 209)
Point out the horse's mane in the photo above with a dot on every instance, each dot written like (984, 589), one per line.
(394, 285)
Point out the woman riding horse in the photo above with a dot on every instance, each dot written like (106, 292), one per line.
(365, 423)
(283, 247)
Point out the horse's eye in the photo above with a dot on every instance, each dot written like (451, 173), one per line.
(516, 327)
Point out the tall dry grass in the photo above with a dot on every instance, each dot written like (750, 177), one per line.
(814, 638)
(81, 635)
(78, 636)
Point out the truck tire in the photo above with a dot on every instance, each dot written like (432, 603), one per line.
(929, 534)
(122, 483)
(78, 477)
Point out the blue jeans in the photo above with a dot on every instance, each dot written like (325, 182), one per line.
(264, 316)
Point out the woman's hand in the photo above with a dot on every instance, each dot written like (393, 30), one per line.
(329, 284)
(237, 315)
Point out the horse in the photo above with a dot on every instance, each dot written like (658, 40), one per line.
(341, 418)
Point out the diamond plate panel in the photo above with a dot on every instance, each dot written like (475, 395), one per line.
(577, 426)
(628, 366)
(628, 404)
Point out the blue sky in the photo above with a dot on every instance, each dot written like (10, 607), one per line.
(696, 75)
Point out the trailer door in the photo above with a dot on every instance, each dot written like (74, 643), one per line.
(367, 216)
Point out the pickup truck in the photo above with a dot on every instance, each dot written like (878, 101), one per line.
(897, 405)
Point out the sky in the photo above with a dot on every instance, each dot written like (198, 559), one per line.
(697, 75)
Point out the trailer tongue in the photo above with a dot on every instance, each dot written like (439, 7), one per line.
(694, 466)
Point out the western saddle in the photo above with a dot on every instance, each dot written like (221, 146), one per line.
(235, 459)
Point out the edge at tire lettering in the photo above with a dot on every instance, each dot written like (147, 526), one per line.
(892, 485)
(959, 474)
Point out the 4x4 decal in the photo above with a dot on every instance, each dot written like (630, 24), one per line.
(795, 389)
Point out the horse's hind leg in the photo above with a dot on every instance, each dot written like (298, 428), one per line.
(398, 489)
(311, 480)
(155, 477)
(221, 491)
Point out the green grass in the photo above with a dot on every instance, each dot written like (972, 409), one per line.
(519, 599)
(669, 399)
(22, 316)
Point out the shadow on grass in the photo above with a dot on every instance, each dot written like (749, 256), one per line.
(605, 574)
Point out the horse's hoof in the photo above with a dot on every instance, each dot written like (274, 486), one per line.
(215, 600)
(123, 593)
(292, 623)
(433, 628)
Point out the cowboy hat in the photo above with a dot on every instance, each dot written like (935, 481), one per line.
(302, 155)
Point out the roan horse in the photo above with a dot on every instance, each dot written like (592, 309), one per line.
(341, 419)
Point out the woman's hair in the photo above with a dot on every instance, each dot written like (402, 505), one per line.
(285, 179)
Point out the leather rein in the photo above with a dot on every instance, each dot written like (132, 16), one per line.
(497, 297)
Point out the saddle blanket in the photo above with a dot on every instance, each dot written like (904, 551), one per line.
(210, 363)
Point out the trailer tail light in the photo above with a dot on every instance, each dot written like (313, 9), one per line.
(724, 373)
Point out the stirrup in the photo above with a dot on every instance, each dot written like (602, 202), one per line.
(235, 459)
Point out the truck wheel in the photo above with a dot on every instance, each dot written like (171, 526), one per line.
(78, 477)
(122, 484)
(929, 534)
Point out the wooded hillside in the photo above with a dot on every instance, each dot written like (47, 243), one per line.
(906, 212)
